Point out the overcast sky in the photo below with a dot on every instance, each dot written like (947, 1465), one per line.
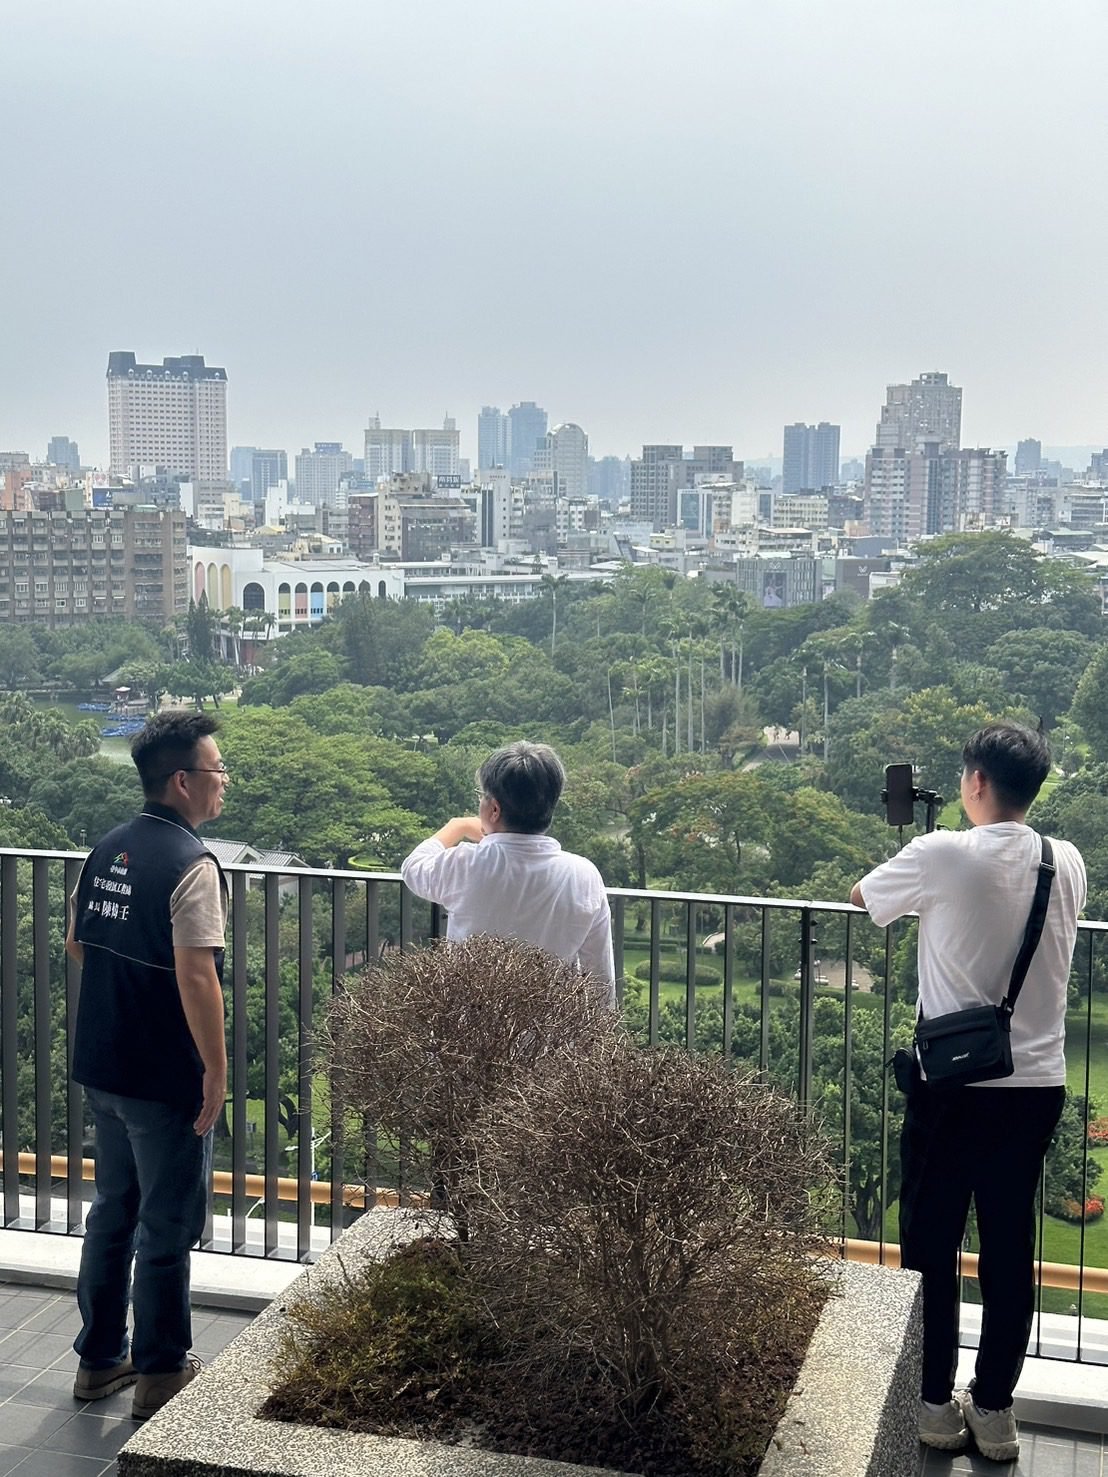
(684, 221)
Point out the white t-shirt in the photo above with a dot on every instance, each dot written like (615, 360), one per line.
(973, 891)
(519, 886)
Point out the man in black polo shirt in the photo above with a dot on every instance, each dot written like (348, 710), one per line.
(147, 926)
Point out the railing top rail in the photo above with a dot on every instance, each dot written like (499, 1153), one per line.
(716, 899)
(708, 899)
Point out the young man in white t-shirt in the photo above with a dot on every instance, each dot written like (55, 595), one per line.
(973, 891)
(515, 881)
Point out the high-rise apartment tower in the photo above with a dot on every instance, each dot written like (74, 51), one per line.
(171, 415)
(492, 438)
(528, 423)
(929, 409)
(811, 457)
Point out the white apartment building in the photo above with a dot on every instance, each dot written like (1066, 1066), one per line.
(171, 415)
(389, 450)
(437, 452)
(929, 409)
(570, 516)
(801, 511)
(319, 472)
(565, 452)
(211, 505)
(499, 508)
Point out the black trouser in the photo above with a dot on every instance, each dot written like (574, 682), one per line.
(984, 1143)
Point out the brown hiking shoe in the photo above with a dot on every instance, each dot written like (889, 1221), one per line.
(94, 1384)
(155, 1390)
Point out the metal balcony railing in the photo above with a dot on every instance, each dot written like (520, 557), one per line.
(808, 994)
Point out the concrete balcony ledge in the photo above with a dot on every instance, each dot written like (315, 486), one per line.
(852, 1413)
(245, 1283)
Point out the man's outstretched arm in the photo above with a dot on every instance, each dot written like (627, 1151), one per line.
(461, 828)
(423, 869)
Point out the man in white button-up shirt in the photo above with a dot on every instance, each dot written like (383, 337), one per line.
(515, 881)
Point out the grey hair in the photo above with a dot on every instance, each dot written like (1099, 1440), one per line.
(526, 781)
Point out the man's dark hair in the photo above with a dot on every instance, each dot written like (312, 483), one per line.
(166, 744)
(1014, 759)
(526, 782)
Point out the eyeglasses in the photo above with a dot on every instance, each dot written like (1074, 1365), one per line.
(220, 768)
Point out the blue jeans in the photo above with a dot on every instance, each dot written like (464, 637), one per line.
(152, 1179)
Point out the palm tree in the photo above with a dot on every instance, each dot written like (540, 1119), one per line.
(731, 606)
(554, 583)
(670, 633)
(631, 690)
(235, 619)
(655, 675)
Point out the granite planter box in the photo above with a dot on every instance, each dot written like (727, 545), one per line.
(852, 1413)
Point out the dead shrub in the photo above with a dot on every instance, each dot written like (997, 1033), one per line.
(641, 1230)
(422, 1044)
(632, 1283)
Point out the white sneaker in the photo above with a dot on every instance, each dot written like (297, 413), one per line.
(994, 1431)
(945, 1428)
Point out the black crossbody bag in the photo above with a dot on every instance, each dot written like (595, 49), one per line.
(975, 1045)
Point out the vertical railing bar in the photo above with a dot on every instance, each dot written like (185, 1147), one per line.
(40, 969)
(848, 1067)
(807, 996)
(1085, 1154)
(763, 1009)
(438, 921)
(372, 921)
(885, 1032)
(619, 923)
(653, 1032)
(690, 976)
(368, 1170)
(728, 980)
(272, 1049)
(305, 1125)
(338, 970)
(405, 918)
(74, 1093)
(9, 1027)
(239, 1021)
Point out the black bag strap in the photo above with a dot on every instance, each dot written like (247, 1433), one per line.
(1034, 930)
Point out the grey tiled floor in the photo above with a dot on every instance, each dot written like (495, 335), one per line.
(1044, 1452)
(44, 1432)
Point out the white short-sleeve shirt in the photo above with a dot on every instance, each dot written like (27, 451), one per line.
(513, 885)
(973, 891)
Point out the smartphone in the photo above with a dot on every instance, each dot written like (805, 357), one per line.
(899, 794)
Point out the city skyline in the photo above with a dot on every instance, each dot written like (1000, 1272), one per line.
(1078, 453)
(438, 144)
